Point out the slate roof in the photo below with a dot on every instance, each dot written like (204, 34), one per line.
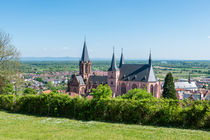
(80, 80)
(207, 97)
(85, 56)
(137, 72)
(98, 79)
(194, 96)
(113, 64)
(186, 85)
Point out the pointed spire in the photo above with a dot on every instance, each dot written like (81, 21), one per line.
(85, 56)
(121, 59)
(151, 77)
(150, 58)
(189, 79)
(113, 63)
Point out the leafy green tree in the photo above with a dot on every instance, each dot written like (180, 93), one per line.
(29, 91)
(102, 91)
(51, 86)
(9, 61)
(169, 87)
(39, 79)
(137, 94)
(3, 83)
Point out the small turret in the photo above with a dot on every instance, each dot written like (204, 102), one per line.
(150, 58)
(121, 59)
(113, 64)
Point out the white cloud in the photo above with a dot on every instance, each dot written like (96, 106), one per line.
(208, 36)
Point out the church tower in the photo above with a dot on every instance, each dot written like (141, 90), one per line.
(113, 75)
(85, 64)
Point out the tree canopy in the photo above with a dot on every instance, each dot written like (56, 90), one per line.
(137, 94)
(9, 60)
(102, 91)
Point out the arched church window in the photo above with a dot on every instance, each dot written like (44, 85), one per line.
(143, 86)
(86, 68)
(75, 90)
(123, 88)
(83, 90)
(134, 86)
(151, 89)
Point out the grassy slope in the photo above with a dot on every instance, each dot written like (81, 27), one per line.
(17, 126)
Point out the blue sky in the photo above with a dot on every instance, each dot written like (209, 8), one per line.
(172, 29)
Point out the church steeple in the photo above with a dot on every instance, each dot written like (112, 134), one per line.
(150, 58)
(113, 63)
(121, 59)
(85, 56)
(85, 63)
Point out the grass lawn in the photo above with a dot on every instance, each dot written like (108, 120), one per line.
(18, 126)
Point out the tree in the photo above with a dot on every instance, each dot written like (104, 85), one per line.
(29, 91)
(51, 86)
(137, 94)
(169, 87)
(9, 61)
(8, 89)
(39, 79)
(102, 91)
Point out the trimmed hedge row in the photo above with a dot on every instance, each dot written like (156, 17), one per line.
(153, 112)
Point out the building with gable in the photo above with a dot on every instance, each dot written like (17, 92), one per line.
(120, 79)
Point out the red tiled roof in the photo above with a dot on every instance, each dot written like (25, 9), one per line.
(47, 91)
(179, 89)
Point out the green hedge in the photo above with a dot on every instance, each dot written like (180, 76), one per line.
(148, 111)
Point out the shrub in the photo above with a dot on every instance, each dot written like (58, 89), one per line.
(102, 91)
(165, 112)
(137, 94)
(29, 91)
(7, 102)
(196, 115)
(8, 89)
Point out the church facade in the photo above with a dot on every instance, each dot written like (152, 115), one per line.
(120, 78)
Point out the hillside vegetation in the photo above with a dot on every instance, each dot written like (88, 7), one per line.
(164, 112)
(18, 126)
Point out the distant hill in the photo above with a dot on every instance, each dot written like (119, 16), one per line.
(95, 59)
(58, 59)
(49, 58)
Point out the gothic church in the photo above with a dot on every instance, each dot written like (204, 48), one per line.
(120, 79)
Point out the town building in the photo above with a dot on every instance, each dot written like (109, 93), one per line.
(120, 78)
